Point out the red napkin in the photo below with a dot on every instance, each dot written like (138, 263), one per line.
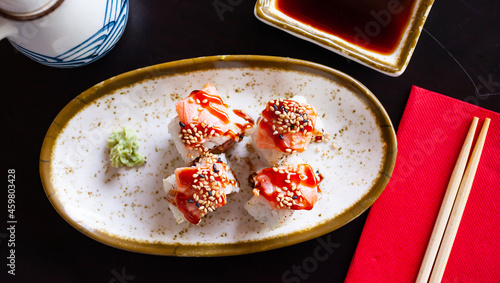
(400, 222)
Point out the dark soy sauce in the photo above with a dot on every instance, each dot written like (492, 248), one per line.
(376, 25)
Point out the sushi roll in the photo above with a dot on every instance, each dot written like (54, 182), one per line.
(194, 191)
(205, 123)
(281, 190)
(286, 126)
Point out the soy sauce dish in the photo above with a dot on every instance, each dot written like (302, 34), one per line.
(379, 34)
(127, 208)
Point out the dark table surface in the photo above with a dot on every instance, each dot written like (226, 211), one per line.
(458, 55)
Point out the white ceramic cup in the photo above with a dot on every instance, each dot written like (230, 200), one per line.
(63, 33)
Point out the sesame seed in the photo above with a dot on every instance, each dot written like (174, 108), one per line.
(281, 136)
(190, 200)
(198, 101)
(288, 150)
(204, 100)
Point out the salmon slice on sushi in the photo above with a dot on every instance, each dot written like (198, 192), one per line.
(285, 127)
(193, 192)
(204, 123)
(281, 190)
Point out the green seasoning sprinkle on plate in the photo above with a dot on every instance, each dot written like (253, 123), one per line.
(124, 146)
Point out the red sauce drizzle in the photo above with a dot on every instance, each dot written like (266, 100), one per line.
(302, 198)
(283, 140)
(249, 121)
(208, 102)
(188, 200)
(216, 106)
(375, 25)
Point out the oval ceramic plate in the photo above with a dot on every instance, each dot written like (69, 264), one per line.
(126, 207)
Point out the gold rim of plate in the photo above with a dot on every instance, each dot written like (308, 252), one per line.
(219, 62)
(265, 11)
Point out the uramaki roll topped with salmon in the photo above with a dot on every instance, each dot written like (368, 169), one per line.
(286, 126)
(194, 191)
(281, 190)
(205, 123)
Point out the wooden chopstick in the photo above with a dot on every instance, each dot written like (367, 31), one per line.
(459, 207)
(442, 237)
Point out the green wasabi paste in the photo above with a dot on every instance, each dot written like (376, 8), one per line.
(124, 146)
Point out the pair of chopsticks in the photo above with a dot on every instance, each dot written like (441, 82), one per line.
(453, 206)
